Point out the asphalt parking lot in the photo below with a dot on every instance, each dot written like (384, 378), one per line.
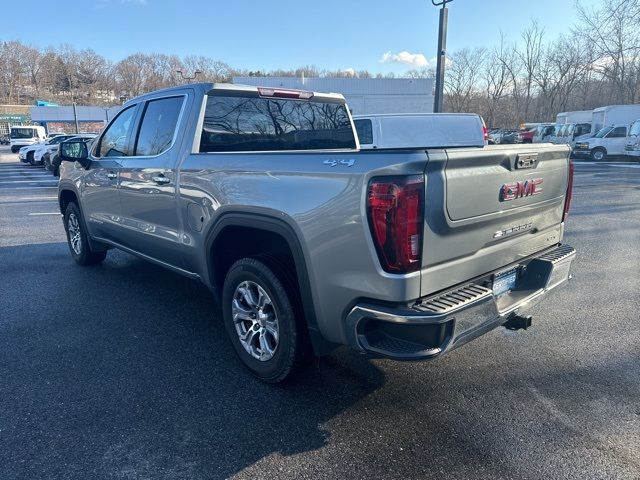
(124, 371)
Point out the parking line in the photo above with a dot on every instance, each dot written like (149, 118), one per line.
(44, 213)
(38, 198)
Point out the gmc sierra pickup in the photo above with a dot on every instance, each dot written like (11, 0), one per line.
(307, 242)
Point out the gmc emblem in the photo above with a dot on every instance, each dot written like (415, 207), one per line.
(527, 188)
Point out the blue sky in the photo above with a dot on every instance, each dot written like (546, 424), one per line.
(332, 34)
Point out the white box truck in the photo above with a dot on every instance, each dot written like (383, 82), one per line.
(578, 116)
(614, 115)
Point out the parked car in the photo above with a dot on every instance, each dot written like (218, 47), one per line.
(308, 242)
(35, 152)
(21, 136)
(608, 141)
(426, 130)
(509, 136)
(26, 153)
(526, 135)
(494, 136)
(543, 133)
(51, 159)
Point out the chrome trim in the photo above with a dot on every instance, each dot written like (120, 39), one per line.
(181, 271)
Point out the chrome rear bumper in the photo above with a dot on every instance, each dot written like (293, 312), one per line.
(438, 323)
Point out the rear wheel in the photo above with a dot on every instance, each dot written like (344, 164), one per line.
(77, 238)
(30, 159)
(263, 320)
(598, 154)
(15, 149)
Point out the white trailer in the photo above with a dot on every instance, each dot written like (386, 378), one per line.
(614, 115)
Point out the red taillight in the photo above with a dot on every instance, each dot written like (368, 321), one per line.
(284, 93)
(394, 207)
(569, 195)
(485, 133)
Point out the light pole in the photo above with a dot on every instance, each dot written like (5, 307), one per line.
(187, 77)
(442, 47)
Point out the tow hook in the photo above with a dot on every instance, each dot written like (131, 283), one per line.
(518, 322)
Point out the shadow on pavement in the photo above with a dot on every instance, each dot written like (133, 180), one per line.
(122, 370)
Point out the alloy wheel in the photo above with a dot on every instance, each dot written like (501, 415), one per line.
(255, 320)
(73, 225)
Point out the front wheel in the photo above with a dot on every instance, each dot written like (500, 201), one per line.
(263, 319)
(30, 159)
(77, 238)
(598, 154)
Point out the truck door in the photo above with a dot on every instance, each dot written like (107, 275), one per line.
(616, 140)
(99, 187)
(148, 182)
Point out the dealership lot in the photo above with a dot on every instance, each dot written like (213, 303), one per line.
(123, 370)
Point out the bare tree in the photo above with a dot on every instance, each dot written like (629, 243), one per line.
(461, 80)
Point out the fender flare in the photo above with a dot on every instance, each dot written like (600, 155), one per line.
(282, 228)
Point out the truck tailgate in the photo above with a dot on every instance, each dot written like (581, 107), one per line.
(487, 208)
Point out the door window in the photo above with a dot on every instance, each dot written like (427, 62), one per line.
(618, 132)
(114, 140)
(158, 126)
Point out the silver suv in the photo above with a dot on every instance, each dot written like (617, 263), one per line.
(307, 242)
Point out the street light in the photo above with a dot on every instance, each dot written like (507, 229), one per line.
(442, 47)
(193, 77)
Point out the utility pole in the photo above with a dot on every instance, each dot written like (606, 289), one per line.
(75, 116)
(442, 47)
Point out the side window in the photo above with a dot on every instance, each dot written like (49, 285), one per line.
(365, 131)
(114, 140)
(158, 126)
(618, 132)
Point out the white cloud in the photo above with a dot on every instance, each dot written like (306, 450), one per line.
(417, 60)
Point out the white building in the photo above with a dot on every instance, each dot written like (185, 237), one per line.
(364, 95)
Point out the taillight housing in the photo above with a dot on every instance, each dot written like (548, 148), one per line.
(569, 196)
(395, 207)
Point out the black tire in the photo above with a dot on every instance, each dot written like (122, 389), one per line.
(83, 255)
(15, 149)
(30, 159)
(598, 154)
(293, 349)
(56, 171)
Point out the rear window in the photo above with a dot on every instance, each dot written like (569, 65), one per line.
(365, 131)
(23, 133)
(253, 123)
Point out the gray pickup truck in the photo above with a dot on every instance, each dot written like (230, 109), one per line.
(307, 242)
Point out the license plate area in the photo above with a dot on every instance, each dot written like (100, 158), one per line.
(505, 281)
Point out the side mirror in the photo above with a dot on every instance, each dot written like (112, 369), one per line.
(74, 151)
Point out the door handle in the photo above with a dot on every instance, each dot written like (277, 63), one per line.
(111, 175)
(161, 179)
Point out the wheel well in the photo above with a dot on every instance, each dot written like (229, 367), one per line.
(236, 242)
(66, 197)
